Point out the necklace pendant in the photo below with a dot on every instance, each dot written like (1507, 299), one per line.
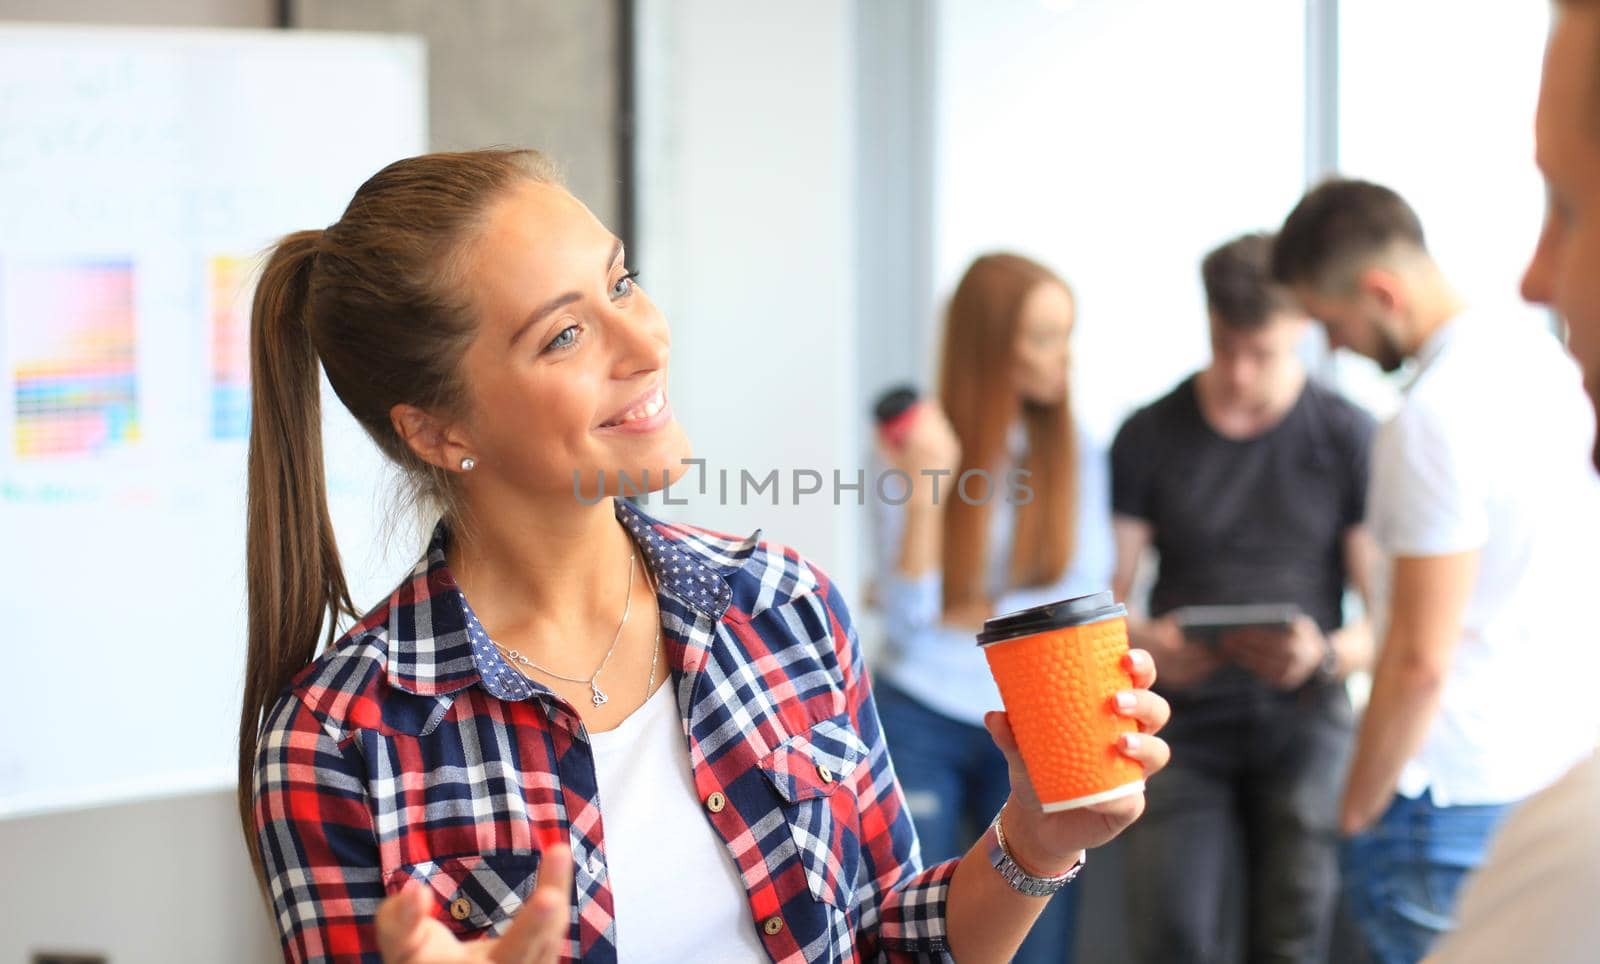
(599, 698)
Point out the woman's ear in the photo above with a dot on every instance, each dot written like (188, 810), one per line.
(439, 443)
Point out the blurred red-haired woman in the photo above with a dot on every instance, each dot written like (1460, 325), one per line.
(1009, 508)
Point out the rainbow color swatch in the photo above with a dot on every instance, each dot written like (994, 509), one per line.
(230, 347)
(73, 365)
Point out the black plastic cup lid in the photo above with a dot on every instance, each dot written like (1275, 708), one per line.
(1057, 615)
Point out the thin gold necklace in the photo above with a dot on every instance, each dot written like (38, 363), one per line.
(597, 695)
(655, 653)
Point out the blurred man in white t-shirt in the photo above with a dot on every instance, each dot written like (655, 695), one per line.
(1535, 898)
(1484, 503)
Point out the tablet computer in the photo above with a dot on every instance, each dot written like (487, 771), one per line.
(1208, 624)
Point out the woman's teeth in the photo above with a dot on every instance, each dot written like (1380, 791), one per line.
(649, 408)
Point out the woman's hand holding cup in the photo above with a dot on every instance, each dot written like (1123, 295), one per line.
(929, 454)
(1079, 729)
(1047, 844)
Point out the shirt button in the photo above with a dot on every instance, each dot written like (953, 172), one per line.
(772, 925)
(825, 774)
(461, 908)
(716, 802)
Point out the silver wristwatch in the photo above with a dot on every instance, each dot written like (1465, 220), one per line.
(1012, 873)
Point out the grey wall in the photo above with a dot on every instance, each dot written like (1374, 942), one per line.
(157, 882)
(894, 195)
(536, 73)
(168, 13)
(748, 157)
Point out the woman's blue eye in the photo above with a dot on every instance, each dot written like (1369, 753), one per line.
(625, 285)
(566, 339)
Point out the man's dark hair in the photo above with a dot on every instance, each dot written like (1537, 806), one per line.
(1239, 288)
(1337, 222)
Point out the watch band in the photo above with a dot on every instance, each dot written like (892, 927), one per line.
(1012, 873)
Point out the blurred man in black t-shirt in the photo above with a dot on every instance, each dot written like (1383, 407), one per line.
(1248, 482)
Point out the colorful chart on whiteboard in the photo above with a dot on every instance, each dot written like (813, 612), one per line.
(137, 209)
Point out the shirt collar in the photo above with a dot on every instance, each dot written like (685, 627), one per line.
(438, 647)
(1440, 340)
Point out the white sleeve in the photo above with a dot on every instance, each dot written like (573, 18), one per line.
(1535, 896)
(1433, 478)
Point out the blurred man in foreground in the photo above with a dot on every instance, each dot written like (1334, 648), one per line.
(1535, 897)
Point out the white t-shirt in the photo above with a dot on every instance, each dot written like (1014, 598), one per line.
(676, 892)
(1534, 897)
(1491, 452)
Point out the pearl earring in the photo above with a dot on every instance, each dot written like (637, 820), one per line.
(468, 464)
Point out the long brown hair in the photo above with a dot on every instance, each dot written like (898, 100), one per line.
(378, 299)
(978, 391)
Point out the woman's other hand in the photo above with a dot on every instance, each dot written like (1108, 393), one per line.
(409, 934)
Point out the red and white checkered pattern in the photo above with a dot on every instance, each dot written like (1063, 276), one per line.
(410, 750)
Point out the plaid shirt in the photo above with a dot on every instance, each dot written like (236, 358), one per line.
(411, 750)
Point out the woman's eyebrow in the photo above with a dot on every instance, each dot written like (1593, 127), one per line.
(561, 301)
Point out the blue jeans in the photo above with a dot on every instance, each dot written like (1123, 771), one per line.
(955, 781)
(1401, 877)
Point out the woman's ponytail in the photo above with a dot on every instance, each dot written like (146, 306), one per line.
(377, 302)
(296, 587)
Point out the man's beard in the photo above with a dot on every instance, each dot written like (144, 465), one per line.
(1390, 356)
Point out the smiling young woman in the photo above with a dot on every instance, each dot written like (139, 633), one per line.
(636, 739)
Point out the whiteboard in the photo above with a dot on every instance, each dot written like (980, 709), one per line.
(141, 173)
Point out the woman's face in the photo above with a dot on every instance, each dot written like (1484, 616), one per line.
(568, 371)
(1043, 337)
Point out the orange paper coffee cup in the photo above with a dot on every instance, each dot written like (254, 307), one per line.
(1059, 668)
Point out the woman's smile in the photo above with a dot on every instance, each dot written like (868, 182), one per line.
(644, 414)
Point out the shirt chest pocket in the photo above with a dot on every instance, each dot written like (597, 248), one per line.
(812, 774)
(475, 894)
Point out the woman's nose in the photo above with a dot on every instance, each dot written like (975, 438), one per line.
(640, 341)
